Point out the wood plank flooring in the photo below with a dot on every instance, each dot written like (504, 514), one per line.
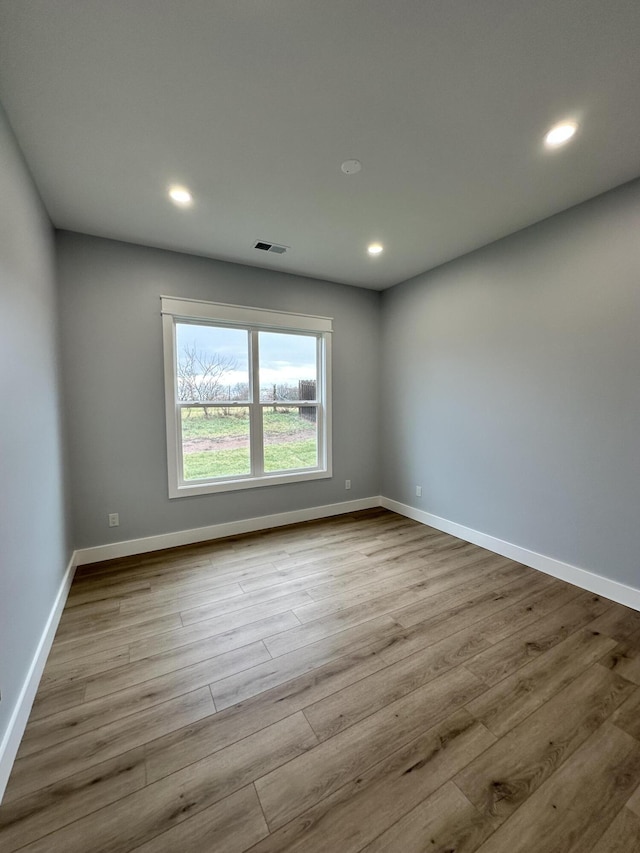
(363, 684)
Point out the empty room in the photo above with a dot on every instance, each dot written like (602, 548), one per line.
(320, 446)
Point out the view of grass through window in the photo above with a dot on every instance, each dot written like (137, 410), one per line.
(217, 444)
(213, 367)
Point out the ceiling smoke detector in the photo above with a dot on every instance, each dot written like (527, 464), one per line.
(275, 248)
(351, 167)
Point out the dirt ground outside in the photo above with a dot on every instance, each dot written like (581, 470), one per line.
(234, 442)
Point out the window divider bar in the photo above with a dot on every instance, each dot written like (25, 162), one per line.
(211, 404)
(293, 404)
(255, 410)
(243, 404)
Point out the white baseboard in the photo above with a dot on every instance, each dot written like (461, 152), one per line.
(18, 721)
(623, 594)
(218, 531)
(614, 590)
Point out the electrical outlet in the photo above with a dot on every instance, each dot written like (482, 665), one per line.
(418, 491)
(114, 519)
(347, 484)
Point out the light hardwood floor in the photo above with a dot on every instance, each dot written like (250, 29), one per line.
(362, 683)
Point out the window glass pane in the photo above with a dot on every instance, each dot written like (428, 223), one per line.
(287, 366)
(215, 442)
(212, 363)
(290, 437)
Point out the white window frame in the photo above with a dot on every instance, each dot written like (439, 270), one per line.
(254, 321)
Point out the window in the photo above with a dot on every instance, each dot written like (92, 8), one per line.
(247, 396)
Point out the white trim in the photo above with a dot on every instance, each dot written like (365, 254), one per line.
(174, 459)
(252, 320)
(256, 431)
(189, 489)
(242, 315)
(19, 717)
(606, 587)
(614, 590)
(324, 413)
(218, 531)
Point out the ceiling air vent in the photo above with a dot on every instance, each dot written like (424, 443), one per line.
(271, 247)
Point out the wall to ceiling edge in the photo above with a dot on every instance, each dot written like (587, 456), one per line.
(504, 383)
(114, 387)
(512, 389)
(34, 521)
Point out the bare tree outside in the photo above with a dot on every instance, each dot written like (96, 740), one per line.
(201, 376)
(217, 399)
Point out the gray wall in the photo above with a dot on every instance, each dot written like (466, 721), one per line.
(34, 550)
(512, 388)
(112, 351)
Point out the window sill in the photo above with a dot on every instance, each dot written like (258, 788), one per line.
(207, 488)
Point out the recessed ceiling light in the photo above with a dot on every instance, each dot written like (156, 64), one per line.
(560, 134)
(375, 249)
(180, 195)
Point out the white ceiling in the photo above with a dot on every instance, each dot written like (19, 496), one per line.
(254, 104)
